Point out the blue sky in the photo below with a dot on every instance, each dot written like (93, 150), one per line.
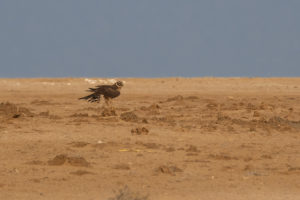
(149, 38)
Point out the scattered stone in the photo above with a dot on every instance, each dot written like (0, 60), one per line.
(139, 131)
(80, 115)
(171, 170)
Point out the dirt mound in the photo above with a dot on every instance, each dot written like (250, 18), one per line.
(80, 115)
(108, 112)
(192, 148)
(129, 117)
(256, 120)
(44, 114)
(47, 114)
(122, 166)
(152, 109)
(168, 119)
(176, 98)
(10, 110)
(41, 102)
(275, 123)
(35, 162)
(81, 172)
(192, 98)
(222, 156)
(71, 160)
(139, 131)
(79, 144)
(149, 145)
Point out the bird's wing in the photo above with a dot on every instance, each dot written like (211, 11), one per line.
(95, 96)
(106, 90)
(110, 92)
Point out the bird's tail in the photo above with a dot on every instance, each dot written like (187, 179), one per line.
(91, 98)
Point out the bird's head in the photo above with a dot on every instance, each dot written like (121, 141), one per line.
(119, 84)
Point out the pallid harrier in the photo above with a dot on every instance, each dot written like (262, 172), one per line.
(107, 91)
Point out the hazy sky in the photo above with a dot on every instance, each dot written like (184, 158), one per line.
(149, 38)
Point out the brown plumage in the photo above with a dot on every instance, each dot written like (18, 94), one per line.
(107, 91)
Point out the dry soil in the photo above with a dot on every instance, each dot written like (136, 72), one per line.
(168, 138)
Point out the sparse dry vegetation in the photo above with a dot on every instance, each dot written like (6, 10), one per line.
(126, 194)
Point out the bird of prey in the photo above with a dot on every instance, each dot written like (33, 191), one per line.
(107, 91)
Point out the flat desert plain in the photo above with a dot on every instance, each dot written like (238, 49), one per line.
(164, 138)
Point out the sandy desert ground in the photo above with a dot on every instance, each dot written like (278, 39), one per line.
(168, 138)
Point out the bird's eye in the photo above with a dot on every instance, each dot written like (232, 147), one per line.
(119, 83)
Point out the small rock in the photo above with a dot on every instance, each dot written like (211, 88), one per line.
(169, 169)
(139, 131)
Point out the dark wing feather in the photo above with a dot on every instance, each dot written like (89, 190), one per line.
(95, 96)
(92, 98)
(98, 87)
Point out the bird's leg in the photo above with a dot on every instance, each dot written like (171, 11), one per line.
(98, 109)
(107, 102)
(110, 104)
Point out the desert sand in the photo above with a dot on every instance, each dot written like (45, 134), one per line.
(164, 138)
